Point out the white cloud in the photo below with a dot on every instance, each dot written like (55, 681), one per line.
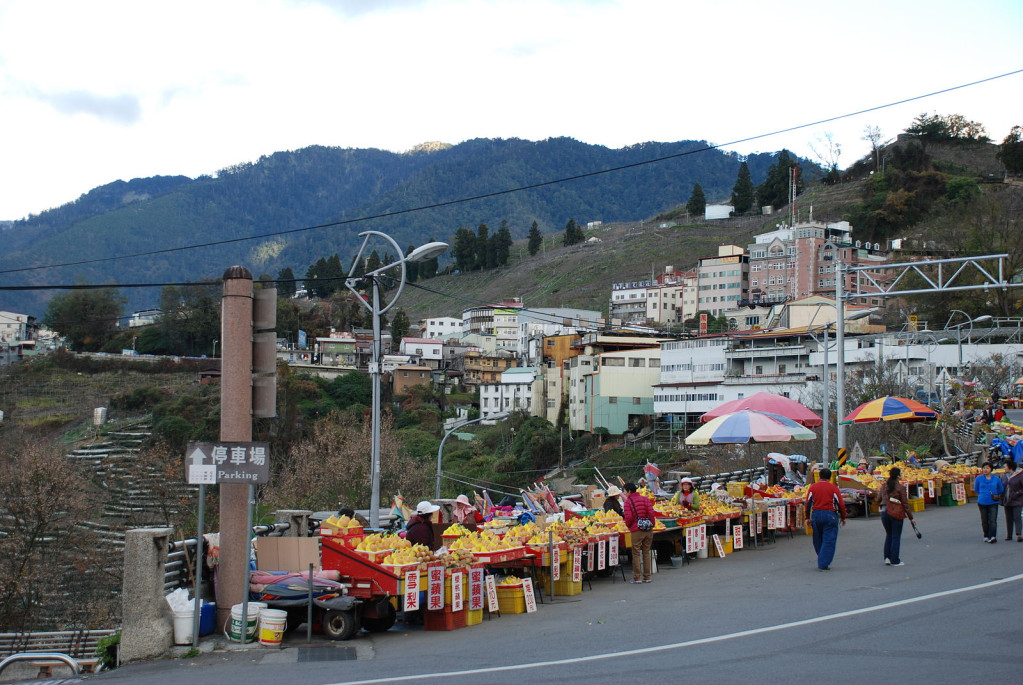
(94, 92)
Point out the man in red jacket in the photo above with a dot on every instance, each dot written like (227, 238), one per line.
(635, 508)
(823, 503)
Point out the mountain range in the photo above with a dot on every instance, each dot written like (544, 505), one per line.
(289, 209)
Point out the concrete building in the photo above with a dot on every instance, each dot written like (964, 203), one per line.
(441, 327)
(427, 352)
(481, 368)
(536, 325)
(610, 382)
(518, 389)
(337, 350)
(14, 327)
(723, 281)
(406, 376)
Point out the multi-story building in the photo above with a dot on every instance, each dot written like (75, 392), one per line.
(428, 352)
(499, 320)
(799, 261)
(14, 327)
(481, 367)
(536, 325)
(723, 281)
(337, 350)
(518, 389)
(610, 382)
(628, 302)
(440, 327)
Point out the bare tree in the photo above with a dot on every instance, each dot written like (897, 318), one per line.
(873, 135)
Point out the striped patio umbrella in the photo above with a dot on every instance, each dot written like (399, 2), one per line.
(890, 409)
(749, 426)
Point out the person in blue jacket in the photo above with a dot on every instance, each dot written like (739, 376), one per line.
(989, 489)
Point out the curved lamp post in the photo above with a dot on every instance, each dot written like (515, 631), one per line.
(499, 416)
(378, 309)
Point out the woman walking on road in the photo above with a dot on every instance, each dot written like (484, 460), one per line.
(989, 491)
(1013, 500)
(893, 515)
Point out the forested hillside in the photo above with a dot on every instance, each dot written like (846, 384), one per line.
(291, 191)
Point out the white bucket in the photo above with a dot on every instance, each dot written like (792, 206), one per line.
(272, 624)
(701, 553)
(183, 621)
(234, 627)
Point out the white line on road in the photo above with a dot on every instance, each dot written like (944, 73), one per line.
(690, 643)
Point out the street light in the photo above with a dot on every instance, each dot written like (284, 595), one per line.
(825, 446)
(422, 253)
(215, 348)
(959, 330)
(499, 416)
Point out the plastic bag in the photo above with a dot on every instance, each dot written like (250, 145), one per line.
(179, 601)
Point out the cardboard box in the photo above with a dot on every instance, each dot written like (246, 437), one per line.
(593, 498)
(287, 554)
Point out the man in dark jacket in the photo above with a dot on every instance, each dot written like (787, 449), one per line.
(637, 507)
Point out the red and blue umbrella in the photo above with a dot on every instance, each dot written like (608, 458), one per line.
(749, 426)
(890, 409)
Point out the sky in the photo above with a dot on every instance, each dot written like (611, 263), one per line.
(93, 92)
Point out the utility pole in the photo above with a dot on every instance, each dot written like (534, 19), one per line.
(235, 426)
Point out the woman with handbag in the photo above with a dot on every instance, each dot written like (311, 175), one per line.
(894, 512)
(639, 519)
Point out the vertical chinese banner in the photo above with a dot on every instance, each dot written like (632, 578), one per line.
(690, 539)
(737, 536)
(702, 542)
(412, 590)
(613, 550)
(601, 555)
(556, 564)
(475, 589)
(589, 556)
(435, 588)
(703, 324)
(577, 564)
(492, 606)
(930, 489)
(456, 591)
(718, 546)
(530, 597)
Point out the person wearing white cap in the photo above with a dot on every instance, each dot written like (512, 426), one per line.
(613, 500)
(687, 495)
(420, 528)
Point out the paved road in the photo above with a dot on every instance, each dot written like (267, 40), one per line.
(950, 615)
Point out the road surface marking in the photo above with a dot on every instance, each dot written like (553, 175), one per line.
(689, 643)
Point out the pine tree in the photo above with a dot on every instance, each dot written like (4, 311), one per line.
(502, 243)
(535, 239)
(286, 289)
(573, 233)
(400, 326)
(697, 202)
(743, 193)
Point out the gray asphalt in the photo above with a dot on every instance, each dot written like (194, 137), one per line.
(767, 615)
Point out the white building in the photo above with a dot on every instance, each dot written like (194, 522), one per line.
(425, 351)
(14, 326)
(520, 389)
(535, 324)
(441, 327)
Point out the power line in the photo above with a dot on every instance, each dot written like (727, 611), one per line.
(532, 186)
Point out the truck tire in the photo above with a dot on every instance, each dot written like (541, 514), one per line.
(383, 621)
(340, 625)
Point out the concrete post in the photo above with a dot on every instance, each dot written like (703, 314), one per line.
(235, 426)
(146, 627)
(298, 520)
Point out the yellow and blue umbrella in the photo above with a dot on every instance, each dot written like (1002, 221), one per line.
(890, 409)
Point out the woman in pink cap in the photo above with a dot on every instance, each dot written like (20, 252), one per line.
(465, 512)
